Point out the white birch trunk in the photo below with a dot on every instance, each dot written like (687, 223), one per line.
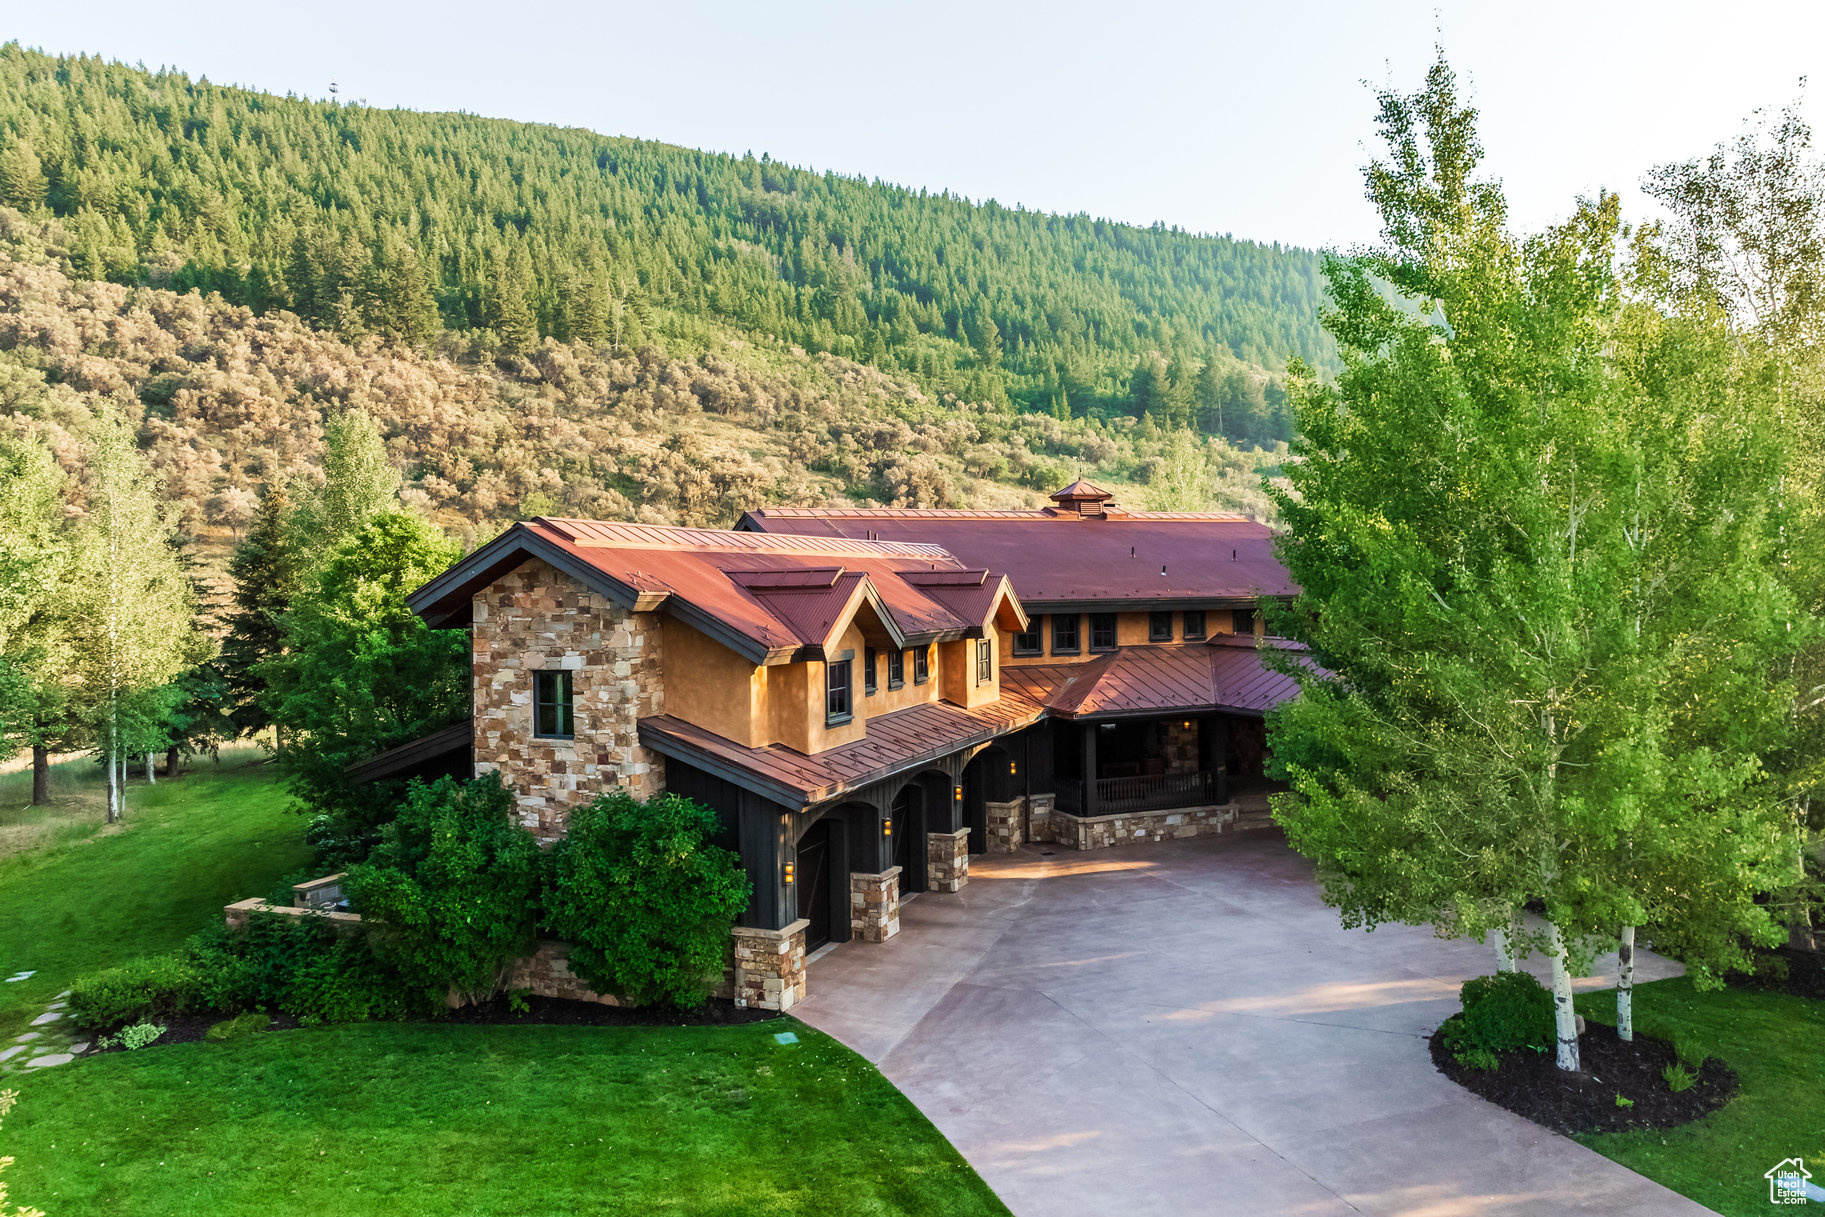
(150, 780)
(1565, 1019)
(1504, 956)
(1625, 985)
(108, 753)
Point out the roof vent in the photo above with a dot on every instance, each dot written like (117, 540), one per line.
(1082, 498)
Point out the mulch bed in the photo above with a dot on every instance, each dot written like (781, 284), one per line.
(189, 1029)
(1529, 1084)
(563, 1012)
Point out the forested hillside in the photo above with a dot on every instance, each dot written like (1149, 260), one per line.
(405, 225)
(229, 403)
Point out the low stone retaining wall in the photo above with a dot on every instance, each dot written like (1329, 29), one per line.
(1130, 828)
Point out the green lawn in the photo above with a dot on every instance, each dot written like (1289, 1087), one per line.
(405, 1119)
(76, 898)
(1776, 1044)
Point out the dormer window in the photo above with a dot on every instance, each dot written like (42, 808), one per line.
(896, 669)
(1244, 620)
(1194, 625)
(1064, 634)
(1028, 641)
(552, 716)
(868, 677)
(985, 662)
(921, 672)
(1159, 627)
(838, 703)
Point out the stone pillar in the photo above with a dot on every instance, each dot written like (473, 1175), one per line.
(1039, 817)
(947, 860)
(1004, 831)
(1181, 745)
(770, 966)
(874, 905)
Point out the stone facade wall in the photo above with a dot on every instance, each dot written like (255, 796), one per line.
(539, 618)
(947, 860)
(1181, 746)
(1100, 832)
(547, 973)
(236, 914)
(770, 966)
(874, 905)
(1005, 826)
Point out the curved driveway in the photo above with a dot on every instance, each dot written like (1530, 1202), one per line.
(1183, 1029)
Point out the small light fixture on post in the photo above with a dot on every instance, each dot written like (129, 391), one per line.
(1186, 724)
(1011, 769)
(957, 792)
(887, 828)
(789, 874)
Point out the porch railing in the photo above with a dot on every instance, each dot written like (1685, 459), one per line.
(1155, 792)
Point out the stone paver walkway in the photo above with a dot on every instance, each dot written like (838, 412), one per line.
(1184, 1029)
(49, 1043)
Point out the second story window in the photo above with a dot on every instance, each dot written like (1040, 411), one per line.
(921, 657)
(837, 704)
(1102, 631)
(985, 662)
(1244, 620)
(896, 669)
(1028, 641)
(1194, 625)
(1064, 634)
(1159, 627)
(551, 706)
(868, 671)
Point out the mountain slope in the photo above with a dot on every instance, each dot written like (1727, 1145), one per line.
(402, 223)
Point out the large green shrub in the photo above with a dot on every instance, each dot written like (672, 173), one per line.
(451, 891)
(155, 987)
(1507, 1011)
(644, 898)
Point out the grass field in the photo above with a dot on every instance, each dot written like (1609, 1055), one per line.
(390, 1118)
(413, 1119)
(1776, 1044)
(77, 895)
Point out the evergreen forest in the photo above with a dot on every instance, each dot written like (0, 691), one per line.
(405, 226)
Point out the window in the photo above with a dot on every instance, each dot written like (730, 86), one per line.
(551, 706)
(868, 671)
(837, 708)
(985, 663)
(1244, 620)
(896, 669)
(920, 659)
(1194, 625)
(1102, 631)
(1028, 642)
(1064, 634)
(1159, 627)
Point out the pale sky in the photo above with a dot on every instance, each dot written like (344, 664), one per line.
(1251, 119)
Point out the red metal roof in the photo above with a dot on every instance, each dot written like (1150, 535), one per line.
(895, 742)
(768, 596)
(1058, 558)
(1225, 674)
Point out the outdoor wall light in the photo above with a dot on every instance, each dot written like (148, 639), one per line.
(1011, 770)
(887, 828)
(789, 874)
(959, 793)
(1186, 724)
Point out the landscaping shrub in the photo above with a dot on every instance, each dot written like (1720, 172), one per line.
(1678, 1078)
(1507, 1011)
(155, 987)
(239, 1027)
(644, 897)
(133, 1038)
(455, 883)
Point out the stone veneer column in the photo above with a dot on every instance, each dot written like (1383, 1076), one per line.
(770, 966)
(947, 860)
(1039, 817)
(874, 905)
(538, 618)
(1003, 826)
(1181, 746)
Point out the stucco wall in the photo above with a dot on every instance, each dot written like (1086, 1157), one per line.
(538, 618)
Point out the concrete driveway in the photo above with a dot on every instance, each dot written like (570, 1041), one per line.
(1184, 1029)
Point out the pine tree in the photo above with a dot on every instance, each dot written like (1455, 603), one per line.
(1207, 398)
(22, 182)
(508, 302)
(265, 571)
(399, 302)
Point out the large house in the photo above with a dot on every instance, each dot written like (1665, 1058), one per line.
(868, 697)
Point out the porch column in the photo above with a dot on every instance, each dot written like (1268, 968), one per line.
(1090, 807)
